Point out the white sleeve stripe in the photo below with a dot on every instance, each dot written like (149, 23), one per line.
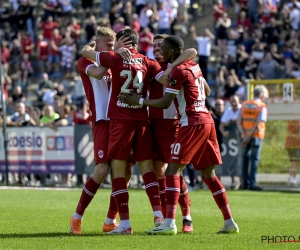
(87, 68)
(98, 58)
(173, 91)
(159, 75)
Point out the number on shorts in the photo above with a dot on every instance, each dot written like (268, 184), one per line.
(201, 89)
(175, 148)
(137, 81)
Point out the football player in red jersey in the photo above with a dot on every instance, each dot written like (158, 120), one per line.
(165, 126)
(129, 126)
(96, 82)
(196, 141)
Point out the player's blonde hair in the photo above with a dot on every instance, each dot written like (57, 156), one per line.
(107, 32)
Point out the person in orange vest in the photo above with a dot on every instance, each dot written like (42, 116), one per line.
(251, 123)
(292, 145)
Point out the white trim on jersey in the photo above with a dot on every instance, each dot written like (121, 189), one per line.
(181, 108)
(159, 75)
(172, 91)
(98, 58)
(87, 68)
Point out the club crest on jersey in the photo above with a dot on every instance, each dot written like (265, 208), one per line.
(173, 82)
(100, 154)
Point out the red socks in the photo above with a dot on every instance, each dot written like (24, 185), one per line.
(152, 190)
(172, 195)
(113, 208)
(219, 194)
(162, 194)
(120, 193)
(88, 192)
(184, 200)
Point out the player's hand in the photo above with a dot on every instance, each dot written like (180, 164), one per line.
(131, 99)
(167, 73)
(123, 42)
(92, 44)
(125, 53)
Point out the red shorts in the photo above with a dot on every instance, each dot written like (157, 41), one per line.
(128, 135)
(164, 132)
(196, 144)
(100, 136)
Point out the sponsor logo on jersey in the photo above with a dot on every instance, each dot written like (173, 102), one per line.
(125, 105)
(173, 82)
(195, 68)
(133, 61)
(100, 154)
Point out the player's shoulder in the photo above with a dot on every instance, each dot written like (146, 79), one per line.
(84, 60)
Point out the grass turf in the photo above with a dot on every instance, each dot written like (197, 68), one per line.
(35, 219)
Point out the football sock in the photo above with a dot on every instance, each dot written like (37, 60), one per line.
(228, 222)
(184, 200)
(125, 224)
(112, 211)
(88, 192)
(218, 191)
(169, 222)
(120, 193)
(152, 190)
(162, 194)
(172, 195)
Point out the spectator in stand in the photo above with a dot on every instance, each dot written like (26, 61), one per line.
(54, 56)
(231, 44)
(42, 52)
(146, 41)
(253, 6)
(4, 14)
(90, 28)
(232, 84)
(119, 24)
(229, 118)
(287, 57)
(78, 96)
(222, 25)
(51, 8)
(50, 94)
(146, 15)
(75, 31)
(48, 27)
(218, 10)
(276, 56)
(26, 71)
(135, 25)
(217, 113)
(105, 7)
(44, 86)
(268, 67)
(35, 115)
(204, 47)
(5, 57)
(242, 58)
(66, 12)
(27, 43)
(20, 118)
(127, 13)
(87, 6)
(294, 17)
(15, 55)
(268, 10)
(114, 12)
(244, 22)
(247, 41)
(25, 13)
(271, 33)
(251, 68)
(292, 145)
(17, 95)
(68, 50)
(139, 5)
(48, 115)
(165, 19)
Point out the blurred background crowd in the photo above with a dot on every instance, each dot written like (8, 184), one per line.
(41, 42)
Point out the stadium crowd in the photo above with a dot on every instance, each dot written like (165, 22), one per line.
(39, 53)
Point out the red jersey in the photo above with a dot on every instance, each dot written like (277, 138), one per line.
(96, 91)
(186, 81)
(157, 91)
(129, 75)
(73, 32)
(25, 43)
(57, 41)
(43, 46)
(136, 26)
(48, 29)
(217, 15)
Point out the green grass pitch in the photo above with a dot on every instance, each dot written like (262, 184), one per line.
(36, 219)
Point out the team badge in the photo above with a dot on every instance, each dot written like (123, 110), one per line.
(100, 154)
(173, 82)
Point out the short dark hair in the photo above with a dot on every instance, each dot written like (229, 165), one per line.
(129, 33)
(175, 42)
